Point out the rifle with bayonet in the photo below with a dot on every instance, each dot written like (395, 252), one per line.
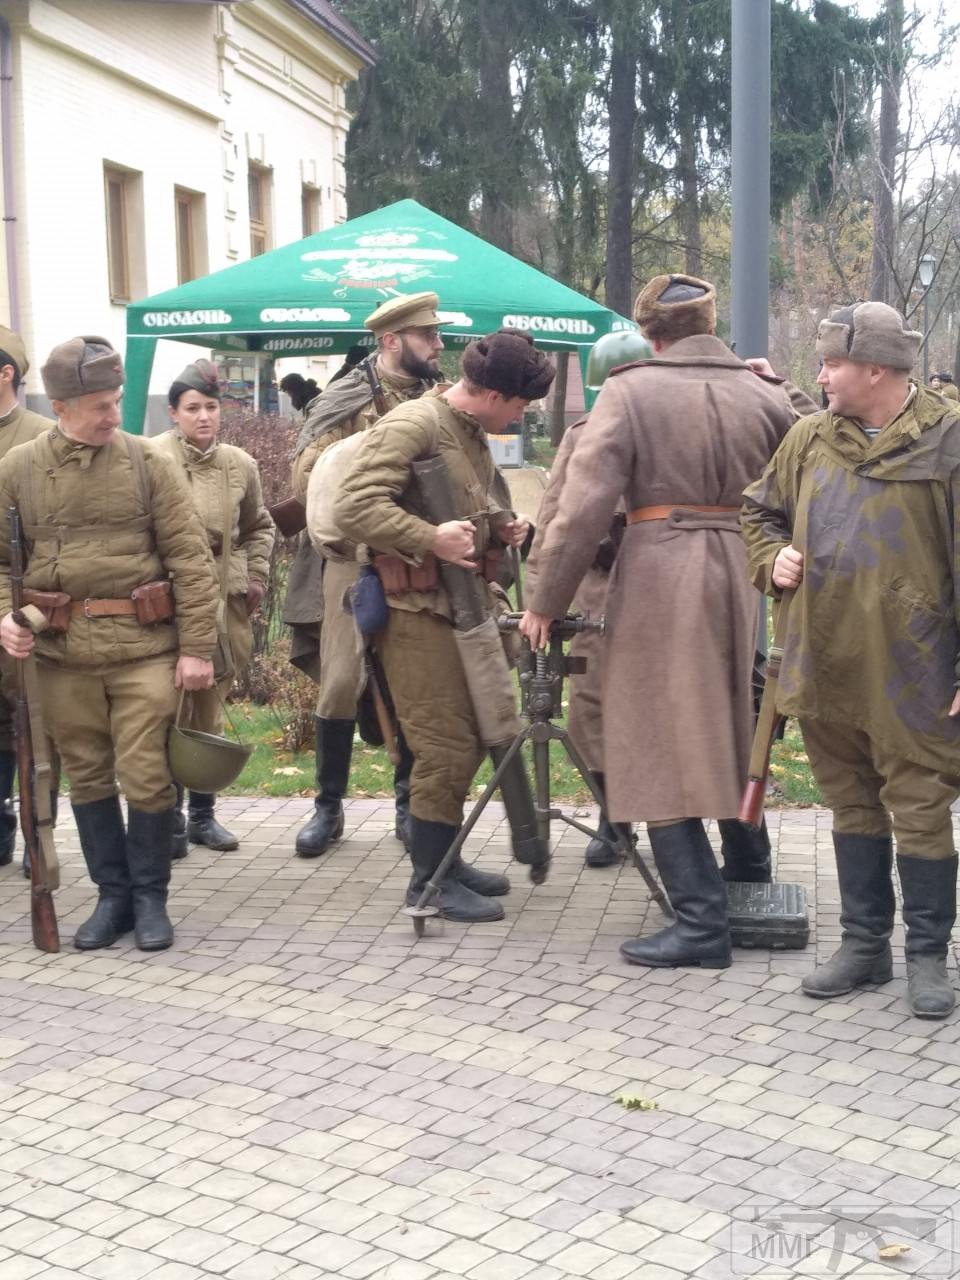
(33, 770)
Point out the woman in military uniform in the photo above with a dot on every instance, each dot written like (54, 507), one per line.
(225, 486)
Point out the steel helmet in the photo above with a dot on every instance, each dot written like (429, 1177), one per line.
(613, 350)
(204, 762)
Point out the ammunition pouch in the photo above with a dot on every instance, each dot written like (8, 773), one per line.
(54, 605)
(399, 577)
(153, 602)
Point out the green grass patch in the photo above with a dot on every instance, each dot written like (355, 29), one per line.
(271, 771)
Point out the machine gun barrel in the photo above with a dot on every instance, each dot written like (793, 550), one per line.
(560, 628)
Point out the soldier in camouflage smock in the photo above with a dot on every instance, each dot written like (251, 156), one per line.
(856, 515)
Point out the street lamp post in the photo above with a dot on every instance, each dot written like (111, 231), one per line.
(925, 269)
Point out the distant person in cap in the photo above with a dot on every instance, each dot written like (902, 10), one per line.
(17, 426)
(943, 382)
(225, 485)
(856, 515)
(407, 330)
(112, 534)
(379, 505)
(678, 436)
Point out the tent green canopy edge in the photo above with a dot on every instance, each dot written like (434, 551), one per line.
(312, 297)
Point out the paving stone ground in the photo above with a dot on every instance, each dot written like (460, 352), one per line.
(301, 1089)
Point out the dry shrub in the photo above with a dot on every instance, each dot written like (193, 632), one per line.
(270, 680)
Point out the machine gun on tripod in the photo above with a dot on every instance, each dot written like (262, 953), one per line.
(542, 673)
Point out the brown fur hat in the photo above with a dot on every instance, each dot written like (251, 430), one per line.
(508, 362)
(689, 307)
(81, 366)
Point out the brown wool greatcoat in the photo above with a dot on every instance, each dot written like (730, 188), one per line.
(692, 426)
(585, 717)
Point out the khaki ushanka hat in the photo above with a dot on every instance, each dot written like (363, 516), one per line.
(12, 344)
(81, 366)
(869, 333)
(408, 311)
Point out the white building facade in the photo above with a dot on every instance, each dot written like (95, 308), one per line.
(149, 142)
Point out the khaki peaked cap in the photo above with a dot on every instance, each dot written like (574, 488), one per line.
(407, 311)
(869, 333)
(81, 366)
(12, 344)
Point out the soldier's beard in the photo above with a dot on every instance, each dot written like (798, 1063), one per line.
(428, 370)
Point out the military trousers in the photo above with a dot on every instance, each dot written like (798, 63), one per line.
(110, 725)
(203, 708)
(425, 675)
(342, 674)
(872, 792)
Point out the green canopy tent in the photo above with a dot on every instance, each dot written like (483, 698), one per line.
(311, 297)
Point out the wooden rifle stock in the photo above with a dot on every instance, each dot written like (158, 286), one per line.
(43, 917)
(769, 722)
(388, 729)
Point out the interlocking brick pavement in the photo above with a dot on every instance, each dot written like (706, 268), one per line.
(301, 1089)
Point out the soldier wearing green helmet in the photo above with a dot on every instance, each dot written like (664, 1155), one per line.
(585, 718)
(610, 352)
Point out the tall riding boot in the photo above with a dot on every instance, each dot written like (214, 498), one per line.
(604, 849)
(865, 873)
(929, 888)
(104, 844)
(203, 828)
(334, 749)
(430, 841)
(401, 790)
(8, 819)
(691, 878)
(178, 846)
(745, 851)
(148, 858)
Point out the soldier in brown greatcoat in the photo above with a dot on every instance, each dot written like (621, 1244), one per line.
(679, 436)
(17, 426)
(408, 342)
(115, 550)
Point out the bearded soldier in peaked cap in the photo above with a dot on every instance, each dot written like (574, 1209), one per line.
(116, 553)
(408, 342)
(856, 515)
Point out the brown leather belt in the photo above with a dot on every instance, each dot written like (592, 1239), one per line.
(102, 608)
(639, 514)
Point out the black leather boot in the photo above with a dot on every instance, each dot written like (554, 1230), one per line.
(430, 841)
(203, 828)
(148, 858)
(178, 845)
(334, 749)
(865, 873)
(401, 789)
(8, 818)
(604, 849)
(929, 888)
(691, 878)
(745, 851)
(489, 884)
(104, 844)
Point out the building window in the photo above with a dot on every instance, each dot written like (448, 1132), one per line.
(258, 195)
(190, 213)
(123, 200)
(310, 209)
